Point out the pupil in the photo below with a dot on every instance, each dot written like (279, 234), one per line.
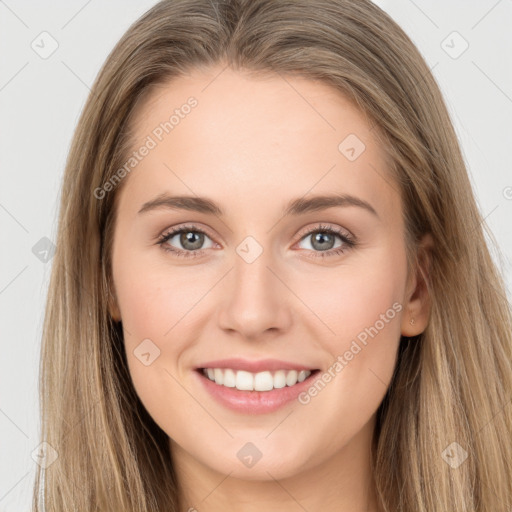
(187, 240)
(321, 238)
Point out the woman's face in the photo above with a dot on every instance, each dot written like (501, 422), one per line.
(266, 279)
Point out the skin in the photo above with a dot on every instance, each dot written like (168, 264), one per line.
(252, 145)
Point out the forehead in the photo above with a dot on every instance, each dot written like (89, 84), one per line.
(273, 107)
(225, 133)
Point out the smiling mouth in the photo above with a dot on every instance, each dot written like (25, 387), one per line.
(260, 381)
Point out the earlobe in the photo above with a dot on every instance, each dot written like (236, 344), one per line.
(112, 306)
(418, 302)
(114, 312)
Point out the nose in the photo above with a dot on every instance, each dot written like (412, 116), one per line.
(256, 302)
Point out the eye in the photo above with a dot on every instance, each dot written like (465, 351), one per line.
(322, 241)
(190, 238)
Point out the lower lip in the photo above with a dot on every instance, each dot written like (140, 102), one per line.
(254, 402)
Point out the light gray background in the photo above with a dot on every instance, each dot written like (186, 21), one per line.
(40, 101)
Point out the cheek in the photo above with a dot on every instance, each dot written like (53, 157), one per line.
(159, 307)
(156, 299)
(363, 310)
(351, 298)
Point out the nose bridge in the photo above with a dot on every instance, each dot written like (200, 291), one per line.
(252, 280)
(251, 274)
(256, 300)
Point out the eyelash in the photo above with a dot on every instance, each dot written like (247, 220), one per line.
(348, 241)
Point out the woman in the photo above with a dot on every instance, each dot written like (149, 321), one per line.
(272, 288)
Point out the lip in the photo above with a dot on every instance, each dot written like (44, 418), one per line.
(254, 366)
(254, 402)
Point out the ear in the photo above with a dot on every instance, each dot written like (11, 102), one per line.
(113, 308)
(417, 300)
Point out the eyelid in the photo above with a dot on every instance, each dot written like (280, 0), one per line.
(347, 238)
(185, 227)
(343, 232)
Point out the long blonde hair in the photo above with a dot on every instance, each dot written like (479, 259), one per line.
(452, 383)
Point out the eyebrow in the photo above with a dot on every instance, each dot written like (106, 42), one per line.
(295, 207)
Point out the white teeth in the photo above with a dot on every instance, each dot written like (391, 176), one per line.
(229, 378)
(291, 378)
(302, 376)
(280, 379)
(219, 376)
(244, 381)
(262, 381)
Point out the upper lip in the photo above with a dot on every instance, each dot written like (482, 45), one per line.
(254, 366)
